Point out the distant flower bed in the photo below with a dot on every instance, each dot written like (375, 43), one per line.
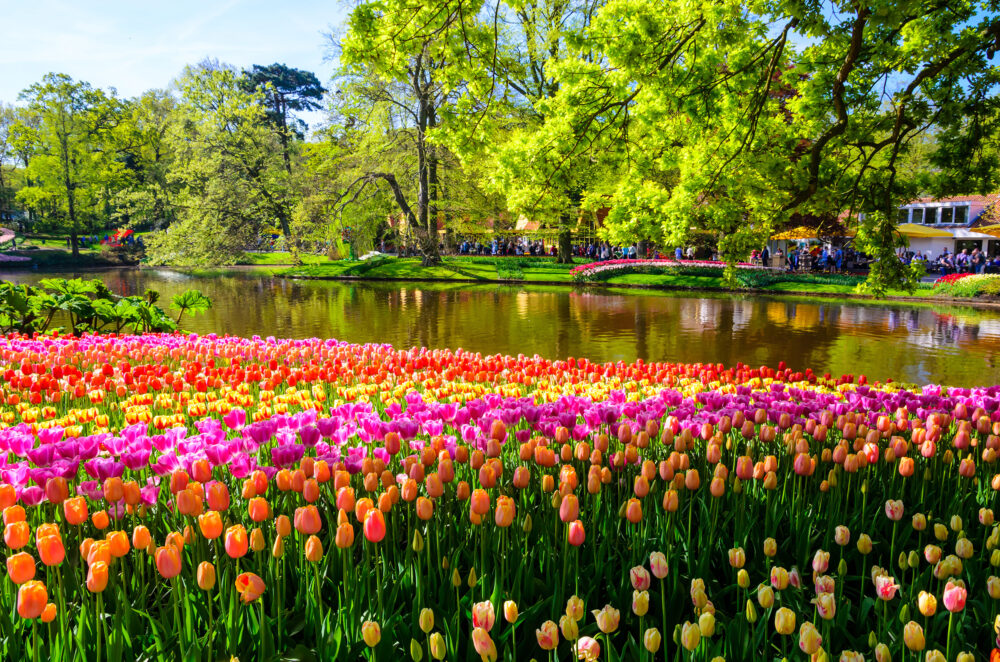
(586, 271)
(968, 285)
(948, 279)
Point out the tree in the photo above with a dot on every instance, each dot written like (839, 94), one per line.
(394, 58)
(286, 91)
(73, 159)
(7, 119)
(228, 170)
(148, 195)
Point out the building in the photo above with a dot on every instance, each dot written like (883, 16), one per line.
(958, 223)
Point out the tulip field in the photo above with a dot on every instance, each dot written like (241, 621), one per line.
(181, 497)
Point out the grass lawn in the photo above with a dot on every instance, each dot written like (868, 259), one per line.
(280, 259)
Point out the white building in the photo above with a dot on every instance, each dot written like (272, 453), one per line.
(956, 223)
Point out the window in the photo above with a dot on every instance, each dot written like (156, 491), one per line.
(946, 214)
(904, 215)
(918, 216)
(961, 214)
(930, 215)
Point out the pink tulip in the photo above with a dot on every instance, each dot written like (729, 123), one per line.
(640, 578)
(483, 615)
(894, 510)
(886, 587)
(954, 596)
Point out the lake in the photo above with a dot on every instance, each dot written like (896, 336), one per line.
(910, 343)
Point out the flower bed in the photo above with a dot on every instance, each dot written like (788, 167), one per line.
(202, 497)
(967, 285)
(590, 270)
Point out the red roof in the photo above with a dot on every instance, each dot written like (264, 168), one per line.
(985, 199)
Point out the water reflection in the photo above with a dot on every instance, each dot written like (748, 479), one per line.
(915, 344)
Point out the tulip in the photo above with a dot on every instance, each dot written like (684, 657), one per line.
(548, 636)
(483, 615)
(168, 561)
(118, 544)
(640, 602)
(249, 586)
(51, 551)
(141, 537)
(568, 627)
(706, 624)
(927, 603)
(437, 646)
(885, 587)
(784, 621)
(206, 576)
(954, 596)
(574, 608)
(49, 613)
(75, 510)
(690, 636)
(658, 565)
(374, 526)
(97, 577)
(307, 520)
(32, 597)
(210, 524)
(651, 640)
(779, 578)
(576, 534)
(483, 644)
(426, 620)
(21, 567)
(640, 578)
(17, 534)
(588, 648)
(826, 606)
(371, 633)
(770, 547)
(314, 549)
(864, 544)
(765, 597)
(809, 638)
(821, 561)
(236, 543)
(737, 557)
(607, 619)
(913, 636)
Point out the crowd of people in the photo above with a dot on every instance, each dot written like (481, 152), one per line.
(962, 262)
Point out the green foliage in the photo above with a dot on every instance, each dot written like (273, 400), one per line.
(86, 306)
(970, 287)
(69, 129)
(192, 302)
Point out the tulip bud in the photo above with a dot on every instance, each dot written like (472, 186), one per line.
(526, 524)
(651, 640)
(842, 567)
(456, 579)
(743, 578)
(472, 578)
(416, 650)
(418, 542)
(371, 633)
(510, 611)
(206, 576)
(751, 612)
(864, 544)
(706, 623)
(690, 636)
(278, 549)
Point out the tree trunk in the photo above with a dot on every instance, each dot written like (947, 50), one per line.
(565, 245)
(640, 249)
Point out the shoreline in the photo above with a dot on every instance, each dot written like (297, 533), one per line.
(977, 303)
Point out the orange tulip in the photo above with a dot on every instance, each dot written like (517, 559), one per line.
(201, 471)
(345, 536)
(249, 586)
(282, 525)
(189, 503)
(14, 514)
(99, 551)
(114, 490)
(345, 498)
(206, 576)
(257, 542)
(118, 543)
(133, 495)
(178, 481)
(17, 534)
(20, 567)
(424, 508)
(51, 550)
(141, 537)
(258, 509)
(314, 549)
(307, 520)
(218, 497)
(100, 520)
(236, 541)
(576, 534)
(168, 561)
(210, 524)
(175, 539)
(97, 577)
(31, 599)
(633, 511)
(8, 496)
(310, 490)
(56, 490)
(75, 510)
(49, 613)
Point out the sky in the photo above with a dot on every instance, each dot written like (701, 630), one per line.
(135, 46)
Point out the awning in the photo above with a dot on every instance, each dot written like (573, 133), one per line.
(800, 232)
(914, 230)
(986, 232)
